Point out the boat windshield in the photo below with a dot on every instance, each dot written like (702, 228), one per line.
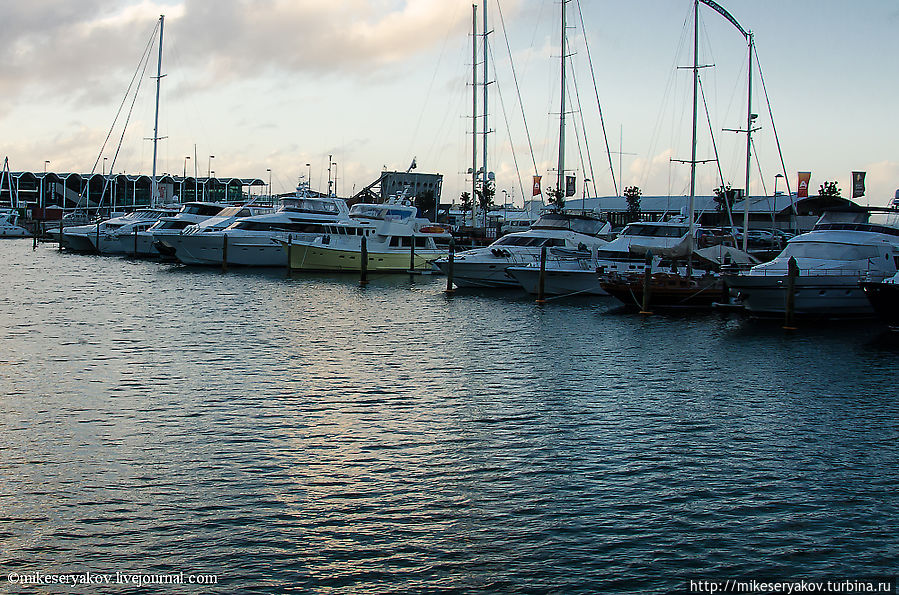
(656, 231)
(201, 209)
(310, 205)
(381, 212)
(528, 241)
(829, 251)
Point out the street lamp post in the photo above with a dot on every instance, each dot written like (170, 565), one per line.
(308, 177)
(184, 173)
(209, 166)
(269, 170)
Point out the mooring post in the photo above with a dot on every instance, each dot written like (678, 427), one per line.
(224, 252)
(790, 299)
(647, 280)
(98, 237)
(450, 265)
(541, 281)
(363, 264)
(289, 253)
(135, 242)
(60, 233)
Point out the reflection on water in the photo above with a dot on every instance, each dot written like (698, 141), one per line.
(303, 431)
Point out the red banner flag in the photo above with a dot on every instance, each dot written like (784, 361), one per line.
(537, 185)
(802, 189)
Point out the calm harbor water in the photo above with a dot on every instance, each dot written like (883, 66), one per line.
(300, 433)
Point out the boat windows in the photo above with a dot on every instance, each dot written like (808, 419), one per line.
(829, 251)
(310, 205)
(283, 226)
(656, 231)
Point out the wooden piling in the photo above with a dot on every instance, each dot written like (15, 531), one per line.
(135, 242)
(450, 265)
(224, 252)
(289, 253)
(790, 298)
(363, 264)
(541, 281)
(647, 282)
(412, 255)
(60, 233)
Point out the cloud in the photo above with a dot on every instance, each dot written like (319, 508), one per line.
(64, 50)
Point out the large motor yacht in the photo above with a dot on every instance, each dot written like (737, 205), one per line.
(167, 236)
(486, 267)
(257, 240)
(833, 259)
(396, 239)
(89, 238)
(138, 240)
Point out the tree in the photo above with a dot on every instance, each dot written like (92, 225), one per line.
(485, 198)
(829, 189)
(467, 204)
(724, 198)
(632, 194)
(427, 204)
(556, 198)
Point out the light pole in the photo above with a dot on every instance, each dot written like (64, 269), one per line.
(46, 163)
(269, 170)
(776, 178)
(335, 178)
(329, 174)
(103, 173)
(308, 177)
(184, 174)
(209, 166)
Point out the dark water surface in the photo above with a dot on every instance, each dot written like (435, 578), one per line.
(303, 433)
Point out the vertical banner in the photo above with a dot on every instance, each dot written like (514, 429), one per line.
(569, 185)
(802, 189)
(537, 185)
(858, 184)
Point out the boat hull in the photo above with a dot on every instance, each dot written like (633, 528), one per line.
(208, 250)
(814, 296)
(558, 281)
(480, 274)
(666, 290)
(316, 257)
(884, 299)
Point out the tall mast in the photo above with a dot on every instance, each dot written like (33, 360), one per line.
(474, 108)
(560, 183)
(484, 121)
(154, 187)
(749, 120)
(692, 204)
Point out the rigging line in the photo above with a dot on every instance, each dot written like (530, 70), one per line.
(502, 104)
(580, 112)
(670, 85)
(774, 128)
(144, 59)
(527, 131)
(125, 126)
(759, 167)
(436, 69)
(708, 117)
(598, 105)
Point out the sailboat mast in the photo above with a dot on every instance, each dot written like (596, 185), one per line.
(474, 109)
(154, 187)
(560, 183)
(749, 120)
(484, 120)
(692, 204)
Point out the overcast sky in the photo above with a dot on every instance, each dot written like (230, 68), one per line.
(277, 84)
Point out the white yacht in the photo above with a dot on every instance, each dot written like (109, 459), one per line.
(167, 240)
(396, 239)
(257, 240)
(486, 267)
(9, 225)
(91, 238)
(140, 241)
(833, 259)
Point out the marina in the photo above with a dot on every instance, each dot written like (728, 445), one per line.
(300, 431)
(426, 330)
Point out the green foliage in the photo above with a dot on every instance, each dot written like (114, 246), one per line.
(829, 189)
(724, 198)
(556, 198)
(467, 203)
(632, 194)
